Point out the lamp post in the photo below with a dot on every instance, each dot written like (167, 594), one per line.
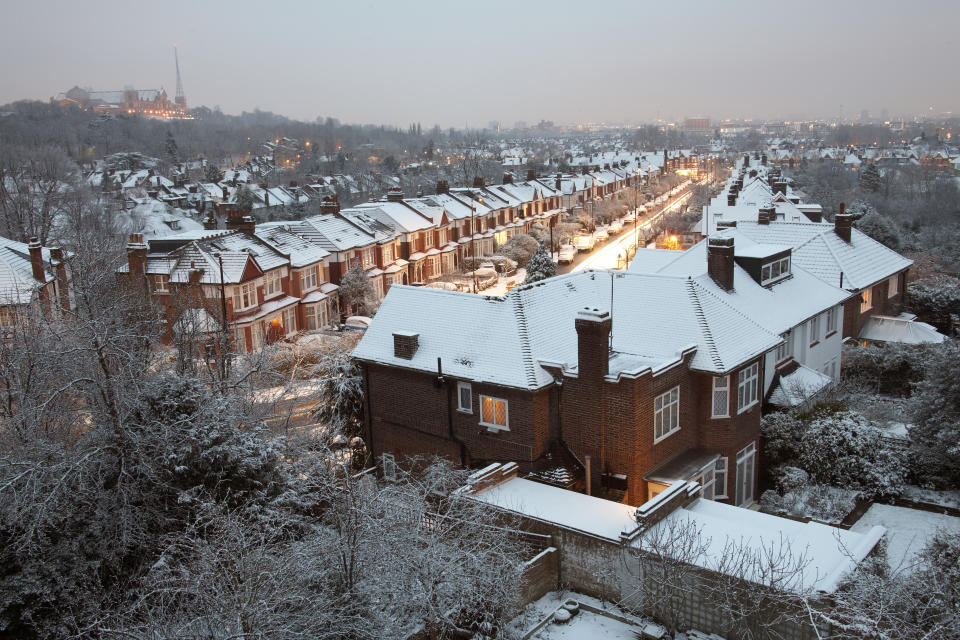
(224, 337)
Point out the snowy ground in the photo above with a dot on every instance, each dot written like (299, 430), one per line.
(908, 530)
(586, 625)
(933, 496)
(500, 289)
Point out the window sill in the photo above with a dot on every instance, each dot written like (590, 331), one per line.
(748, 407)
(271, 296)
(783, 362)
(830, 335)
(719, 417)
(665, 436)
(468, 412)
(815, 343)
(494, 427)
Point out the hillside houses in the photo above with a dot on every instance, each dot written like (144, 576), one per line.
(33, 278)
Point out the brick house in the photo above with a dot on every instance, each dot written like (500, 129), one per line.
(272, 287)
(32, 278)
(663, 387)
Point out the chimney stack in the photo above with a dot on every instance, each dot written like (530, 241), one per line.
(36, 260)
(443, 187)
(330, 204)
(137, 259)
(720, 261)
(593, 343)
(842, 223)
(531, 175)
(731, 198)
(405, 344)
(508, 178)
(210, 222)
(395, 194)
(780, 186)
(59, 268)
(237, 221)
(559, 182)
(478, 182)
(767, 214)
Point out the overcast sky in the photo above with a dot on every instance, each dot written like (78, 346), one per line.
(454, 63)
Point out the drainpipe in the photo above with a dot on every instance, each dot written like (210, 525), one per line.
(586, 461)
(441, 380)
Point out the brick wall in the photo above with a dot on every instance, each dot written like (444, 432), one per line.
(882, 304)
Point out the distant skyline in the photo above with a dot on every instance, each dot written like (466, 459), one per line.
(456, 63)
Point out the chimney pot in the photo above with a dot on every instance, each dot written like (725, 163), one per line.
(405, 344)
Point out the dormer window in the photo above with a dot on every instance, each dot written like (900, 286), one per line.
(773, 271)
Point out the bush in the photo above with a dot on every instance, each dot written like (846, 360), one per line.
(889, 368)
(935, 436)
(519, 248)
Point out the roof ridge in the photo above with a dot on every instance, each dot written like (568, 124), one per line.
(705, 326)
(525, 349)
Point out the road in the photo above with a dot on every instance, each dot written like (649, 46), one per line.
(613, 254)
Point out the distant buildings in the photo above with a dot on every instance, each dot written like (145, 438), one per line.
(152, 103)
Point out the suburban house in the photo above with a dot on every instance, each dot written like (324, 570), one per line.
(764, 283)
(845, 257)
(32, 278)
(618, 383)
(263, 289)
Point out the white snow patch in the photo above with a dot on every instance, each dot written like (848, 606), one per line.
(908, 530)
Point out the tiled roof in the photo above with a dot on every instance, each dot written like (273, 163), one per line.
(17, 284)
(505, 340)
(818, 249)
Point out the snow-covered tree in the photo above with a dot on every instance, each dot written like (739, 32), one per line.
(882, 229)
(540, 267)
(870, 179)
(519, 248)
(935, 436)
(356, 292)
(341, 394)
(244, 199)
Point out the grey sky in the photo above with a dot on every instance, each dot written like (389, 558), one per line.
(456, 62)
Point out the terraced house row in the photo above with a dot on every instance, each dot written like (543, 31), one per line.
(279, 278)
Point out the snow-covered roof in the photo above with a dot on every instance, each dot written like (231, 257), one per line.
(509, 340)
(777, 307)
(831, 552)
(300, 250)
(332, 232)
(17, 284)
(818, 249)
(798, 386)
(904, 330)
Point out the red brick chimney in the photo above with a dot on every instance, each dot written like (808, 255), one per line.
(137, 259)
(36, 260)
(842, 224)
(767, 215)
(478, 182)
(531, 175)
(60, 270)
(720, 261)
(330, 204)
(395, 194)
(593, 343)
(443, 187)
(238, 221)
(508, 178)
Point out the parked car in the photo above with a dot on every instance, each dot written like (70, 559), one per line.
(567, 253)
(601, 234)
(615, 227)
(585, 242)
(357, 323)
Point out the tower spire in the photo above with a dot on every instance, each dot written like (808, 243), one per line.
(180, 99)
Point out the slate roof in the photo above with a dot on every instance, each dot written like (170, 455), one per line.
(818, 249)
(17, 284)
(508, 340)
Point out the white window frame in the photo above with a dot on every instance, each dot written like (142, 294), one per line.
(461, 388)
(721, 385)
(161, 283)
(387, 250)
(493, 426)
(707, 479)
(814, 335)
(272, 283)
(746, 470)
(776, 270)
(308, 279)
(246, 290)
(867, 303)
(667, 413)
(388, 463)
(720, 471)
(785, 350)
(893, 285)
(747, 382)
(366, 257)
(288, 318)
(831, 320)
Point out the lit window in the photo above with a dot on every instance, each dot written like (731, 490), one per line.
(464, 397)
(866, 300)
(893, 286)
(666, 414)
(494, 413)
(721, 397)
(747, 387)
